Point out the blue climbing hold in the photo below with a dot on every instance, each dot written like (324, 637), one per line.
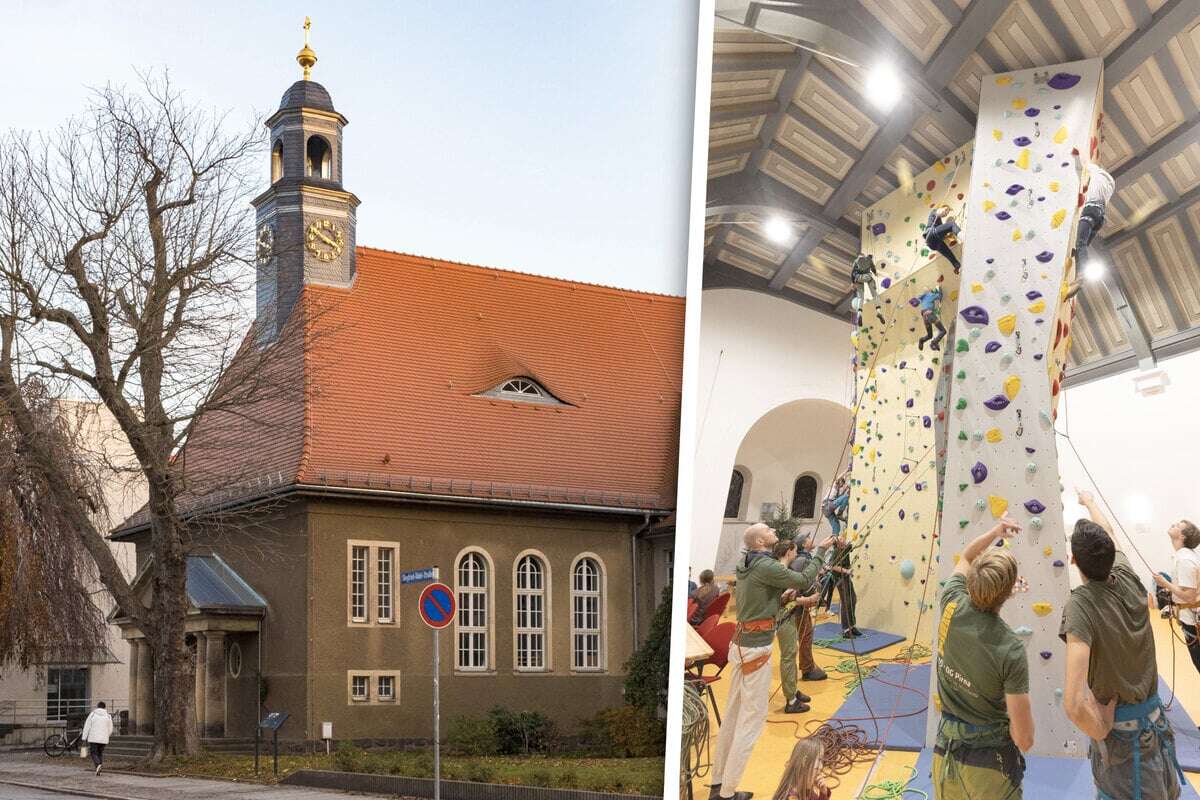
(907, 569)
(991, 347)
(974, 315)
(997, 403)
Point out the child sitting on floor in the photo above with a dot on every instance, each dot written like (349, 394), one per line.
(802, 776)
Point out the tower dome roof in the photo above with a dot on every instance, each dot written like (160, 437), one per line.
(307, 94)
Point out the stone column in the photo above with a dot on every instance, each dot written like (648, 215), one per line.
(145, 689)
(214, 689)
(131, 698)
(201, 667)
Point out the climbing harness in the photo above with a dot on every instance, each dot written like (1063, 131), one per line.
(1129, 724)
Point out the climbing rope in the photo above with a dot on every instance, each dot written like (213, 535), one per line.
(892, 790)
(694, 741)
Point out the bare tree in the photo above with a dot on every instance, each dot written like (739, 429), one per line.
(125, 269)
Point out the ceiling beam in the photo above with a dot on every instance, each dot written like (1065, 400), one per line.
(733, 149)
(799, 254)
(770, 128)
(1133, 52)
(752, 62)
(754, 108)
(1159, 153)
(1138, 335)
(718, 275)
(1168, 347)
(1170, 209)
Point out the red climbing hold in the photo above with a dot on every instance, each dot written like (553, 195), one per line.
(929, 186)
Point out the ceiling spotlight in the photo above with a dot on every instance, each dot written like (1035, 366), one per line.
(1148, 384)
(1094, 269)
(884, 88)
(777, 230)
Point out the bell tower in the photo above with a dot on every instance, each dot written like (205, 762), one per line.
(305, 219)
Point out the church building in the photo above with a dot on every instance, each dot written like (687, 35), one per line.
(519, 433)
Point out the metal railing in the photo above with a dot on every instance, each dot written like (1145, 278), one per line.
(30, 720)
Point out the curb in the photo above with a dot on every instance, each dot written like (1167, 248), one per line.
(77, 792)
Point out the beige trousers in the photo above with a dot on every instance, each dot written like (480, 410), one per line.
(744, 717)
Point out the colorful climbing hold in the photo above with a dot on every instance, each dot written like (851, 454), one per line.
(907, 569)
(991, 347)
(998, 505)
(1007, 324)
(974, 315)
(1060, 135)
(994, 435)
(1023, 630)
(1034, 507)
(1063, 80)
(1012, 386)
(997, 403)
(1042, 609)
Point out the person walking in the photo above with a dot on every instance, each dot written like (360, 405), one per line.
(96, 730)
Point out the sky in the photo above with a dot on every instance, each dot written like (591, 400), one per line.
(550, 138)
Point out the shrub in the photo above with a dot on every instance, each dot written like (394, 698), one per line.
(539, 776)
(479, 772)
(626, 732)
(522, 732)
(473, 736)
(422, 765)
(348, 758)
(648, 671)
(568, 778)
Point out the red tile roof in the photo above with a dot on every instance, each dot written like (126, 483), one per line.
(395, 374)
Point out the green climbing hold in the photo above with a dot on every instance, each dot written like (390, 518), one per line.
(962, 523)
(962, 487)
(963, 346)
(961, 404)
(962, 373)
(962, 436)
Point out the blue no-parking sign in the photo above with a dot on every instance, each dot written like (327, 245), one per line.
(437, 605)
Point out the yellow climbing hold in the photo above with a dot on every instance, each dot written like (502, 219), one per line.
(938, 166)
(1042, 609)
(954, 296)
(1012, 386)
(997, 134)
(1049, 551)
(1007, 324)
(1023, 159)
(1038, 307)
(1019, 103)
(1016, 236)
(998, 505)
(1054, 186)
(994, 435)
(871, 458)
(1060, 135)
(857, 449)
(1003, 80)
(976, 287)
(1059, 217)
(957, 557)
(988, 205)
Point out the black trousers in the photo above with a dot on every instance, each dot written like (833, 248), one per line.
(1189, 633)
(96, 752)
(847, 599)
(1091, 220)
(935, 239)
(931, 319)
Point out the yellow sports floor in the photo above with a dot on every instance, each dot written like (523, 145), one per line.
(773, 748)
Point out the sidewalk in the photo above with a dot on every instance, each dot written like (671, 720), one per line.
(33, 771)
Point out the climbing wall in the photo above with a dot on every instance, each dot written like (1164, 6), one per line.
(893, 502)
(1034, 135)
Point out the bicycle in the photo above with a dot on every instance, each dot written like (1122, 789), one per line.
(57, 744)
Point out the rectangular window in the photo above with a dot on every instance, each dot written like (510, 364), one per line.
(358, 583)
(383, 588)
(586, 622)
(386, 688)
(66, 693)
(358, 688)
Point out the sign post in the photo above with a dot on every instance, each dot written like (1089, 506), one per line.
(437, 608)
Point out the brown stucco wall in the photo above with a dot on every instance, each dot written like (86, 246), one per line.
(431, 535)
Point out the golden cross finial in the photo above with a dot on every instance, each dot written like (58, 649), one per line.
(306, 58)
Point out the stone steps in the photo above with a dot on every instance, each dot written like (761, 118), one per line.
(136, 747)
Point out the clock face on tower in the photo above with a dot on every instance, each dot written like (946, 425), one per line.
(265, 242)
(324, 239)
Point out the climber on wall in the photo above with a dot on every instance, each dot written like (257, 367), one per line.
(789, 631)
(760, 579)
(982, 678)
(941, 231)
(834, 506)
(930, 305)
(1099, 191)
(1111, 690)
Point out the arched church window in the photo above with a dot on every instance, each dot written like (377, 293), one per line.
(733, 500)
(319, 161)
(804, 497)
(277, 160)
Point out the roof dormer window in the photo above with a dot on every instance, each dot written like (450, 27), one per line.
(522, 389)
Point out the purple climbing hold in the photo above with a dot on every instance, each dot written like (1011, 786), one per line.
(1034, 506)
(1016, 188)
(1045, 256)
(1056, 108)
(1058, 562)
(991, 347)
(990, 260)
(886, 282)
(908, 403)
(1063, 80)
(975, 315)
(979, 472)
(901, 516)
(902, 363)
(1022, 141)
(904, 468)
(926, 421)
(997, 403)
(1032, 112)
(1030, 450)
(1003, 215)
(1037, 356)
(929, 374)
(1032, 294)
(878, 228)
(1046, 654)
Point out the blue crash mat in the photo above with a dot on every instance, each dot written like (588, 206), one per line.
(1044, 777)
(869, 642)
(906, 707)
(1187, 737)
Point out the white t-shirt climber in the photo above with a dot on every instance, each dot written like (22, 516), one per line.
(1187, 575)
(1100, 185)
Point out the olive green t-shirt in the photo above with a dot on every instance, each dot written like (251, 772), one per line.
(980, 659)
(1112, 618)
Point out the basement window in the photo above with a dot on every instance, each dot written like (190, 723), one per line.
(524, 390)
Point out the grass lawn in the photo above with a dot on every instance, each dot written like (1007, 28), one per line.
(626, 775)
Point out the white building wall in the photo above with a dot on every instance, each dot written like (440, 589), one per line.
(757, 353)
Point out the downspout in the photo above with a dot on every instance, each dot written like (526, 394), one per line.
(634, 557)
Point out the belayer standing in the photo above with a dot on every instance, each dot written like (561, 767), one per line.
(982, 679)
(1111, 690)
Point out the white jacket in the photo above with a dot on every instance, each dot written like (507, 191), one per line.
(98, 727)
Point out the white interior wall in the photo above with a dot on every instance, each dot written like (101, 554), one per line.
(757, 353)
(1141, 452)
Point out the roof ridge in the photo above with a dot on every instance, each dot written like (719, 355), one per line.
(466, 266)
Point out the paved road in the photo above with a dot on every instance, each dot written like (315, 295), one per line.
(45, 779)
